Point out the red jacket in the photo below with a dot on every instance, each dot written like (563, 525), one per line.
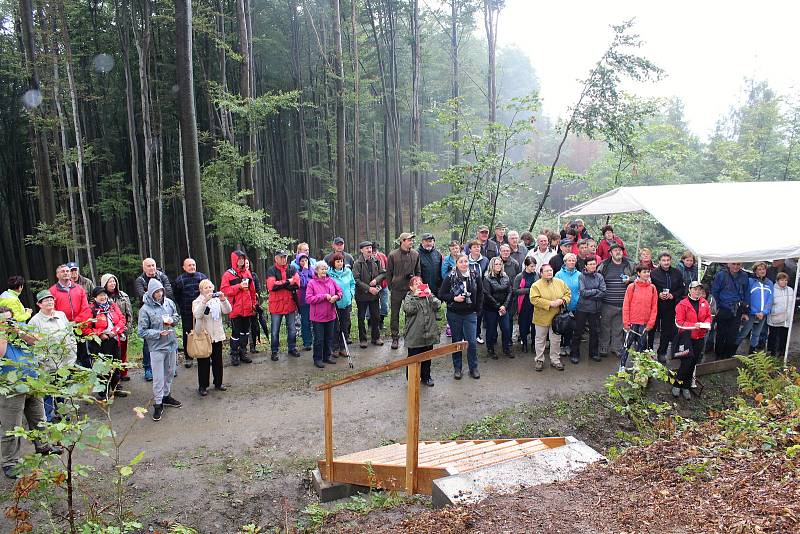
(686, 317)
(383, 260)
(604, 251)
(640, 305)
(243, 299)
(282, 284)
(72, 302)
(100, 325)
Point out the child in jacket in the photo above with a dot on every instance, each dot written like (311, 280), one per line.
(422, 330)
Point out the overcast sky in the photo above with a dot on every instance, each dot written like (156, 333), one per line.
(706, 47)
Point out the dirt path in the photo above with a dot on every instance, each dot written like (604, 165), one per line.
(243, 456)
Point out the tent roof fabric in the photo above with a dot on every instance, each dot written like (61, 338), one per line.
(732, 221)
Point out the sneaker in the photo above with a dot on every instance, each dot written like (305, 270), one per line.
(574, 359)
(221, 387)
(294, 353)
(491, 354)
(10, 472)
(274, 357)
(474, 373)
(157, 410)
(203, 392)
(234, 360)
(245, 358)
(457, 374)
(676, 392)
(539, 366)
(121, 393)
(508, 353)
(148, 375)
(307, 348)
(329, 361)
(170, 401)
(448, 332)
(319, 364)
(254, 350)
(395, 343)
(188, 362)
(428, 382)
(479, 339)
(622, 369)
(363, 343)
(686, 394)
(558, 365)
(597, 358)
(378, 342)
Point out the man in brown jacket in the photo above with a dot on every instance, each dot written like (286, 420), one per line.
(368, 274)
(403, 264)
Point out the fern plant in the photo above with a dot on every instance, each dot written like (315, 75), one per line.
(761, 374)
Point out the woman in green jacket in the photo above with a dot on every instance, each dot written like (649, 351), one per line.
(422, 330)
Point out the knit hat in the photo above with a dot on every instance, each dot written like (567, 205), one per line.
(98, 290)
(106, 277)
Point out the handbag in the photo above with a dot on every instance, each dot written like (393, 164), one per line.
(683, 347)
(564, 323)
(198, 343)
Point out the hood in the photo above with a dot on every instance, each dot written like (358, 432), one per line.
(423, 250)
(152, 286)
(106, 277)
(235, 256)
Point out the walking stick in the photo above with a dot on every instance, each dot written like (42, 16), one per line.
(623, 357)
(344, 341)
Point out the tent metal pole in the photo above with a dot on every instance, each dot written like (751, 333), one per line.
(558, 223)
(639, 238)
(791, 317)
(700, 271)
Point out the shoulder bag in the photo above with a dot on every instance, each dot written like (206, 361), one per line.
(198, 343)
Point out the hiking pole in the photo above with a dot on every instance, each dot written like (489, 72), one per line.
(623, 357)
(344, 341)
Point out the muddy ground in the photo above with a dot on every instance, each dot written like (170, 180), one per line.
(244, 456)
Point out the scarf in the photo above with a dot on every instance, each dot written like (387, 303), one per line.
(215, 308)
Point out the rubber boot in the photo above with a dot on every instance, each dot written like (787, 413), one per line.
(234, 352)
(243, 349)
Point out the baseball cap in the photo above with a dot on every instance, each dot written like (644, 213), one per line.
(695, 283)
(364, 244)
(43, 294)
(338, 241)
(483, 228)
(281, 253)
(427, 235)
(406, 235)
(565, 242)
(72, 265)
(499, 226)
(614, 245)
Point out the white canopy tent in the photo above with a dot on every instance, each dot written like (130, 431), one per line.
(720, 222)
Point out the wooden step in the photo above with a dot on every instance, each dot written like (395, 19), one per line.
(479, 462)
(435, 453)
(488, 447)
(425, 449)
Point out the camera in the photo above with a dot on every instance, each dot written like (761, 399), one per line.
(461, 289)
(216, 294)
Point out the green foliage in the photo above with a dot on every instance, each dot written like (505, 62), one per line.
(125, 264)
(627, 393)
(488, 427)
(57, 235)
(255, 111)
(115, 194)
(316, 514)
(760, 374)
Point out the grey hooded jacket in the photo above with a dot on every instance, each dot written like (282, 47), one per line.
(151, 320)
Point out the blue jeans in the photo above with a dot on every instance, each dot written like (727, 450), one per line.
(291, 330)
(753, 328)
(49, 408)
(146, 356)
(464, 328)
(491, 319)
(323, 340)
(305, 325)
(383, 300)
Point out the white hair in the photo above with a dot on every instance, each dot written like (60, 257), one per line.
(321, 263)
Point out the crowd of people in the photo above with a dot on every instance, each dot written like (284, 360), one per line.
(551, 289)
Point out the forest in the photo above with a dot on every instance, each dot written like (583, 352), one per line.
(136, 128)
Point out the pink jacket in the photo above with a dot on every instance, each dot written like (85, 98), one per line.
(321, 311)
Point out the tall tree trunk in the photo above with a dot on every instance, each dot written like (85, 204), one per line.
(416, 144)
(356, 120)
(38, 138)
(123, 25)
(297, 78)
(455, 94)
(246, 89)
(76, 120)
(491, 14)
(190, 157)
(338, 68)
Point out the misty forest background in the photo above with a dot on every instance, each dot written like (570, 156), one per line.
(162, 128)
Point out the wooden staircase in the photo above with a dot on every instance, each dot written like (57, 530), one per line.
(385, 467)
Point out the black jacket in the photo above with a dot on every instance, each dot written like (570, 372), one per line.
(497, 292)
(454, 285)
(143, 280)
(671, 279)
(364, 271)
(431, 267)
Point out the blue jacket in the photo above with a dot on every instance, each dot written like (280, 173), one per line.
(730, 290)
(760, 295)
(478, 266)
(447, 266)
(21, 356)
(186, 288)
(347, 282)
(573, 280)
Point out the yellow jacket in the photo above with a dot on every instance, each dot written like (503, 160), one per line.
(10, 299)
(542, 292)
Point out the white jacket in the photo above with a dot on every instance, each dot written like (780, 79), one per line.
(59, 339)
(782, 302)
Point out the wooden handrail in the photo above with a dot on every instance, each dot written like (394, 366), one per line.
(412, 407)
(438, 352)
